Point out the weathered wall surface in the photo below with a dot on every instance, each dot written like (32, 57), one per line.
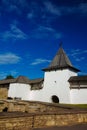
(25, 121)
(25, 115)
(30, 107)
(59, 120)
(16, 123)
(3, 93)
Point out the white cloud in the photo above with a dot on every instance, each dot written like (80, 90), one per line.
(14, 33)
(78, 52)
(44, 28)
(64, 10)
(45, 32)
(15, 5)
(83, 8)
(9, 58)
(78, 55)
(3, 75)
(52, 8)
(13, 72)
(39, 61)
(79, 59)
(10, 6)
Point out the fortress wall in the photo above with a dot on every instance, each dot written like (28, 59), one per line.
(27, 122)
(3, 93)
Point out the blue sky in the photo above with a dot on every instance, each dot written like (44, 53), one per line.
(31, 31)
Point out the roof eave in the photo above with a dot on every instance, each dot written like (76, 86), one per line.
(60, 68)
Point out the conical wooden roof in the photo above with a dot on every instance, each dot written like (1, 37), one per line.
(60, 61)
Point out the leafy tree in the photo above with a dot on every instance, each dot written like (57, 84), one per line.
(9, 77)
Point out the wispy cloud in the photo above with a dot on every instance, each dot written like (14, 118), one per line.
(79, 59)
(35, 8)
(13, 33)
(9, 58)
(5, 73)
(83, 8)
(64, 10)
(39, 61)
(78, 54)
(16, 6)
(52, 8)
(11, 6)
(13, 72)
(45, 32)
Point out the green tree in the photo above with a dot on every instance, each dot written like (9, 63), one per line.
(9, 77)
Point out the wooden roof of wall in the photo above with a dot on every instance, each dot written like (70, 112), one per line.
(78, 78)
(21, 79)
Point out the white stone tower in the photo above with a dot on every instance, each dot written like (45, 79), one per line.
(56, 85)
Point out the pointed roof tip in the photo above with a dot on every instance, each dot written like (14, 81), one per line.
(61, 44)
(60, 61)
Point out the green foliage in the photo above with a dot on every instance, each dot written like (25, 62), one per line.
(9, 77)
(75, 105)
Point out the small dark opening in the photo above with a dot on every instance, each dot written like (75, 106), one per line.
(5, 109)
(55, 99)
(9, 98)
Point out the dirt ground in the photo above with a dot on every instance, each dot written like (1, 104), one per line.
(74, 127)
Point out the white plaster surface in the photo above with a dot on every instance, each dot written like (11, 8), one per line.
(19, 90)
(78, 96)
(55, 83)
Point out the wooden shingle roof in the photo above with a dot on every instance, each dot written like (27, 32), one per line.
(35, 81)
(7, 81)
(60, 61)
(78, 78)
(21, 79)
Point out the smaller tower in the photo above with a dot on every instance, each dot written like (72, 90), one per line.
(56, 78)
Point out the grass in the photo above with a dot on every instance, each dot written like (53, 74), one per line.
(76, 105)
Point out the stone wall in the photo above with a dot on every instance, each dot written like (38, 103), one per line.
(16, 123)
(3, 93)
(31, 106)
(59, 120)
(21, 121)
(25, 115)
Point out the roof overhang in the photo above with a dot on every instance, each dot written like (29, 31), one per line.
(53, 68)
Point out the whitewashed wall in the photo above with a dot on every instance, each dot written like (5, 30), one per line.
(55, 83)
(19, 90)
(78, 96)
